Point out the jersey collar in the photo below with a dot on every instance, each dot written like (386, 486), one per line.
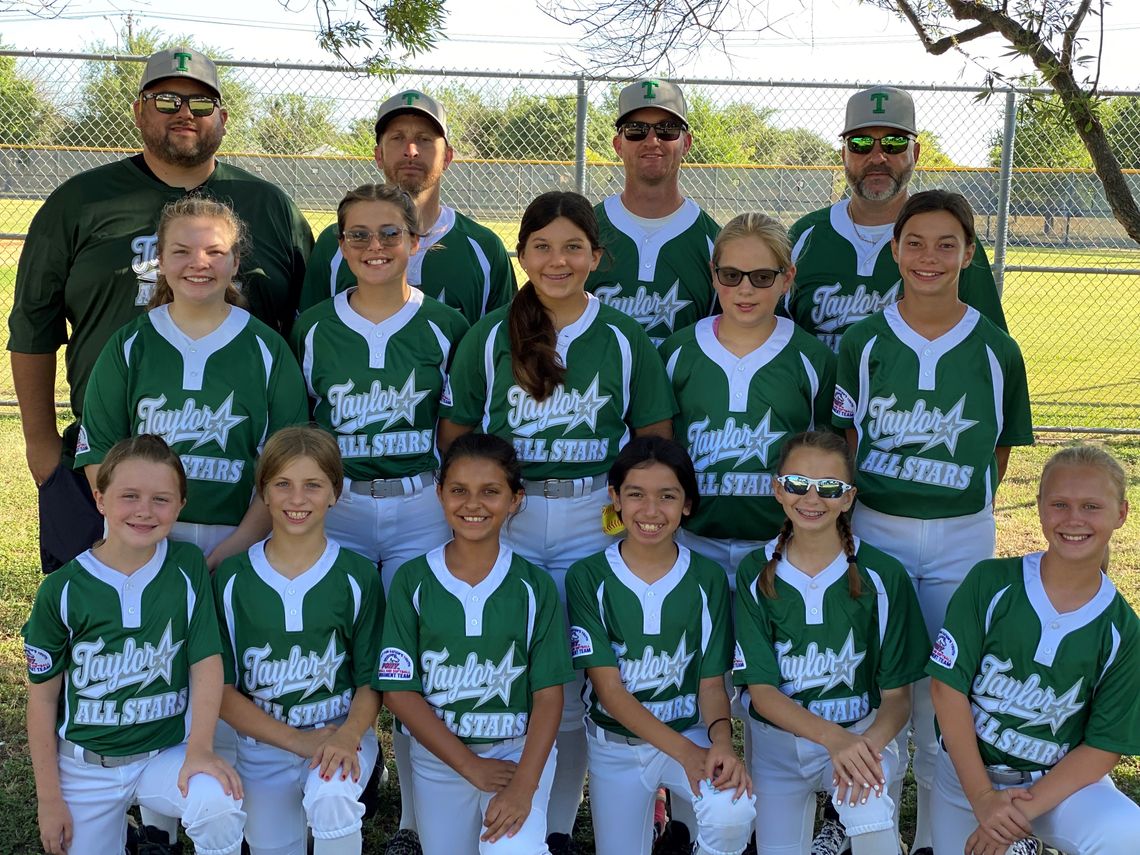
(292, 591)
(376, 336)
(811, 588)
(128, 587)
(739, 371)
(866, 252)
(651, 596)
(1055, 626)
(569, 333)
(196, 352)
(472, 598)
(650, 242)
(928, 351)
(443, 224)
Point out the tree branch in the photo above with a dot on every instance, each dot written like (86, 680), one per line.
(1070, 38)
(939, 47)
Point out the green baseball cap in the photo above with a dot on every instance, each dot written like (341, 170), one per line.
(880, 106)
(411, 101)
(651, 93)
(181, 62)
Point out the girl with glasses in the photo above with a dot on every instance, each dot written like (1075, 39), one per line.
(745, 381)
(568, 380)
(829, 639)
(374, 359)
(932, 396)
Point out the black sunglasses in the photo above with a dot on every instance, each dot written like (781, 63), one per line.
(665, 131)
(827, 488)
(170, 103)
(890, 143)
(761, 277)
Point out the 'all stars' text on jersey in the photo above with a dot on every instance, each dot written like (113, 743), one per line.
(197, 424)
(446, 683)
(890, 429)
(659, 671)
(265, 680)
(740, 442)
(563, 408)
(996, 690)
(824, 669)
(95, 674)
(353, 411)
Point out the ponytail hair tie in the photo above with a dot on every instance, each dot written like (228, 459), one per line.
(851, 559)
(777, 555)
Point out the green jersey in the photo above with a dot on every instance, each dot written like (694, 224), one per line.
(124, 645)
(735, 415)
(929, 414)
(1040, 682)
(376, 387)
(832, 654)
(459, 262)
(656, 271)
(299, 648)
(578, 430)
(845, 274)
(477, 653)
(664, 638)
(152, 378)
(90, 260)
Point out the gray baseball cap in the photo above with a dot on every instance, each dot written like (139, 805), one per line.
(181, 62)
(880, 106)
(651, 93)
(411, 101)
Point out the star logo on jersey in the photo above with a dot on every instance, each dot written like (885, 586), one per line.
(833, 311)
(528, 416)
(997, 691)
(890, 429)
(189, 422)
(653, 670)
(742, 442)
(647, 308)
(818, 669)
(301, 670)
(95, 674)
(445, 683)
(351, 411)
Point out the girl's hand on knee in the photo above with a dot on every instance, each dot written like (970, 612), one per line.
(55, 826)
(203, 761)
(858, 766)
(724, 770)
(339, 751)
(506, 812)
(489, 776)
(695, 761)
(982, 843)
(999, 816)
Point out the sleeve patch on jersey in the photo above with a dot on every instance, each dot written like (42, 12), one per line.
(445, 393)
(82, 444)
(842, 404)
(945, 652)
(580, 642)
(739, 663)
(39, 660)
(395, 664)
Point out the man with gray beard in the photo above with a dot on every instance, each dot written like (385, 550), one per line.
(845, 270)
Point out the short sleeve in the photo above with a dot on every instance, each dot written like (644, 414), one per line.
(976, 287)
(465, 393)
(203, 635)
(754, 660)
(1018, 425)
(288, 399)
(47, 640)
(318, 284)
(717, 657)
(37, 323)
(652, 399)
(106, 413)
(367, 631)
(549, 650)
(589, 639)
(844, 401)
(958, 645)
(824, 362)
(905, 647)
(223, 576)
(504, 286)
(397, 668)
(1114, 720)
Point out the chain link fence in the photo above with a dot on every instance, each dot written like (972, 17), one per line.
(1069, 273)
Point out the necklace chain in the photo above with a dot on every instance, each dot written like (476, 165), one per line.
(859, 234)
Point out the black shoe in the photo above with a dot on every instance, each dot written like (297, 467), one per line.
(370, 795)
(561, 844)
(676, 840)
(148, 840)
(750, 849)
(404, 842)
(925, 850)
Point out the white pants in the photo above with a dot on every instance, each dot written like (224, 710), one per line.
(283, 797)
(1095, 820)
(937, 554)
(205, 537)
(98, 799)
(623, 784)
(787, 771)
(727, 552)
(393, 530)
(450, 811)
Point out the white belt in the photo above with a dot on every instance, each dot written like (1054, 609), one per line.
(603, 735)
(565, 488)
(386, 488)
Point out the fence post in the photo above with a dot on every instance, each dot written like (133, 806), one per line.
(1005, 182)
(580, 139)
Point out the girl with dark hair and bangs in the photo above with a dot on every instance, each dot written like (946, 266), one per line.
(829, 640)
(555, 373)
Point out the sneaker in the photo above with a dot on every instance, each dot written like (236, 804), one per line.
(561, 844)
(1025, 846)
(675, 841)
(660, 813)
(926, 850)
(750, 849)
(404, 842)
(832, 839)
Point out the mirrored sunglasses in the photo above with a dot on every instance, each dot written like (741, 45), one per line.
(890, 143)
(170, 103)
(827, 488)
(665, 131)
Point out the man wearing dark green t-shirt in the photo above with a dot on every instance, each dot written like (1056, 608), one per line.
(89, 266)
(459, 262)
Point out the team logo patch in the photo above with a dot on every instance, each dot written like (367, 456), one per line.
(82, 444)
(739, 663)
(842, 404)
(395, 664)
(580, 642)
(39, 660)
(945, 652)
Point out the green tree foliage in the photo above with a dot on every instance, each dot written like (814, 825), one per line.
(295, 124)
(26, 116)
(931, 153)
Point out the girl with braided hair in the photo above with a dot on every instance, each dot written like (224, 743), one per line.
(829, 638)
